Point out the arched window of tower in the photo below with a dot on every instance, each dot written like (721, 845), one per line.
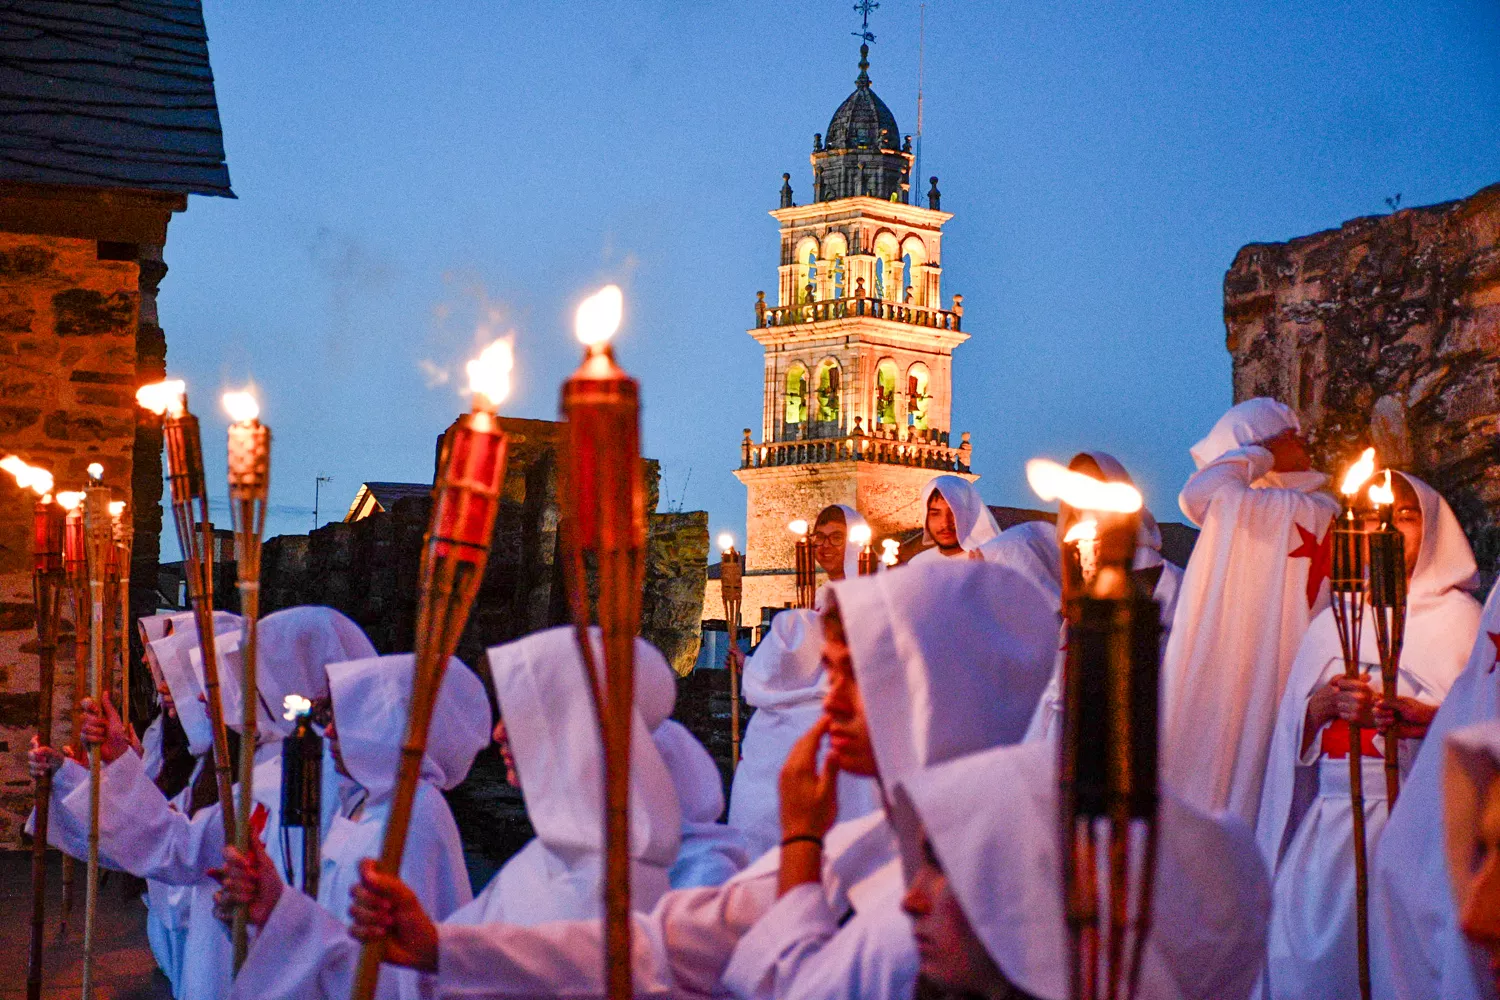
(829, 381)
(885, 395)
(795, 409)
(914, 259)
(917, 397)
(887, 279)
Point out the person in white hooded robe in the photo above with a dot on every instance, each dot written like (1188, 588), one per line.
(956, 522)
(985, 887)
(785, 682)
(141, 831)
(1417, 951)
(1035, 550)
(712, 852)
(1471, 818)
(1256, 578)
(171, 638)
(684, 944)
(1306, 825)
(945, 656)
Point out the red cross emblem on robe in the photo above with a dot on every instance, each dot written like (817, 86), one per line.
(1494, 641)
(1319, 553)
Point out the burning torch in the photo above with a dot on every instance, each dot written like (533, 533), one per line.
(1388, 608)
(76, 570)
(861, 535)
(806, 565)
(731, 589)
(890, 553)
(195, 536)
(604, 525)
(46, 587)
(1108, 748)
(301, 791)
(249, 490)
(1347, 587)
(99, 542)
(455, 550)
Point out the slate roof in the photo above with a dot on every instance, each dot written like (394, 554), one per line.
(863, 121)
(109, 93)
(385, 496)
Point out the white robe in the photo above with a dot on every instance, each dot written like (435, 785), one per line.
(1416, 949)
(1211, 895)
(1306, 831)
(936, 685)
(784, 682)
(290, 956)
(554, 740)
(1246, 600)
(711, 852)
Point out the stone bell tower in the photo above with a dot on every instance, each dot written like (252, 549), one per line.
(858, 348)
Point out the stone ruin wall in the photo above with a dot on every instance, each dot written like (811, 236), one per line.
(77, 334)
(1385, 331)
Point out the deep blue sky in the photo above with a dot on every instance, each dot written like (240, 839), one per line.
(407, 172)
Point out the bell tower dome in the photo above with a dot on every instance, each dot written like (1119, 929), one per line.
(858, 348)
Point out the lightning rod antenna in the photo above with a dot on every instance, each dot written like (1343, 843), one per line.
(915, 188)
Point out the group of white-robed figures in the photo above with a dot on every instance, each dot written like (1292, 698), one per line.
(894, 816)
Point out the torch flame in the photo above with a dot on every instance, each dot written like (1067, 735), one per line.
(726, 541)
(116, 508)
(169, 397)
(31, 477)
(598, 316)
(797, 527)
(241, 406)
(1381, 494)
(69, 500)
(860, 535)
(96, 471)
(1057, 482)
(489, 374)
(890, 551)
(1084, 531)
(294, 705)
(1358, 473)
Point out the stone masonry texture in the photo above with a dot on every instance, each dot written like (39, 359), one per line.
(1385, 331)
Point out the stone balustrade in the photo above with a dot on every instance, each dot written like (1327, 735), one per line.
(848, 308)
(932, 452)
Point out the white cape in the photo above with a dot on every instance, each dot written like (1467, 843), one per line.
(711, 852)
(1246, 600)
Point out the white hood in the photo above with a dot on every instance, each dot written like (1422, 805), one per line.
(1251, 422)
(174, 655)
(976, 525)
(371, 699)
(296, 645)
(786, 669)
(544, 697)
(1212, 899)
(950, 656)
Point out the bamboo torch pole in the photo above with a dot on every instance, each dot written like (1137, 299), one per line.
(249, 491)
(1347, 588)
(465, 499)
(604, 524)
(99, 537)
(1388, 607)
(731, 590)
(75, 568)
(46, 583)
(184, 446)
(123, 530)
(805, 566)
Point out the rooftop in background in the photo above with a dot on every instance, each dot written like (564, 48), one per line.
(109, 93)
(373, 498)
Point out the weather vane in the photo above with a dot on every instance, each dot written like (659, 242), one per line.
(863, 8)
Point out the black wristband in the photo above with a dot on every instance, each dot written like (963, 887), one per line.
(802, 838)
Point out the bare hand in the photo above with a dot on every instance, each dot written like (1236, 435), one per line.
(809, 800)
(247, 880)
(1407, 716)
(167, 704)
(735, 658)
(385, 909)
(43, 761)
(1355, 701)
(104, 729)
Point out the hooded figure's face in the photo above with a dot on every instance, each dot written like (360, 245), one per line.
(1288, 452)
(952, 956)
(849, 730)
(828, 539)
(941, 524)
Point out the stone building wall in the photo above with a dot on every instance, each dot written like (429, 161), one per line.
(1385, 331)
(69, 365)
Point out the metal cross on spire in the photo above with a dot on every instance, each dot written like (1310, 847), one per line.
(863, 8)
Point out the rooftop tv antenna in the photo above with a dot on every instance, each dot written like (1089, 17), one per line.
(863, 8)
